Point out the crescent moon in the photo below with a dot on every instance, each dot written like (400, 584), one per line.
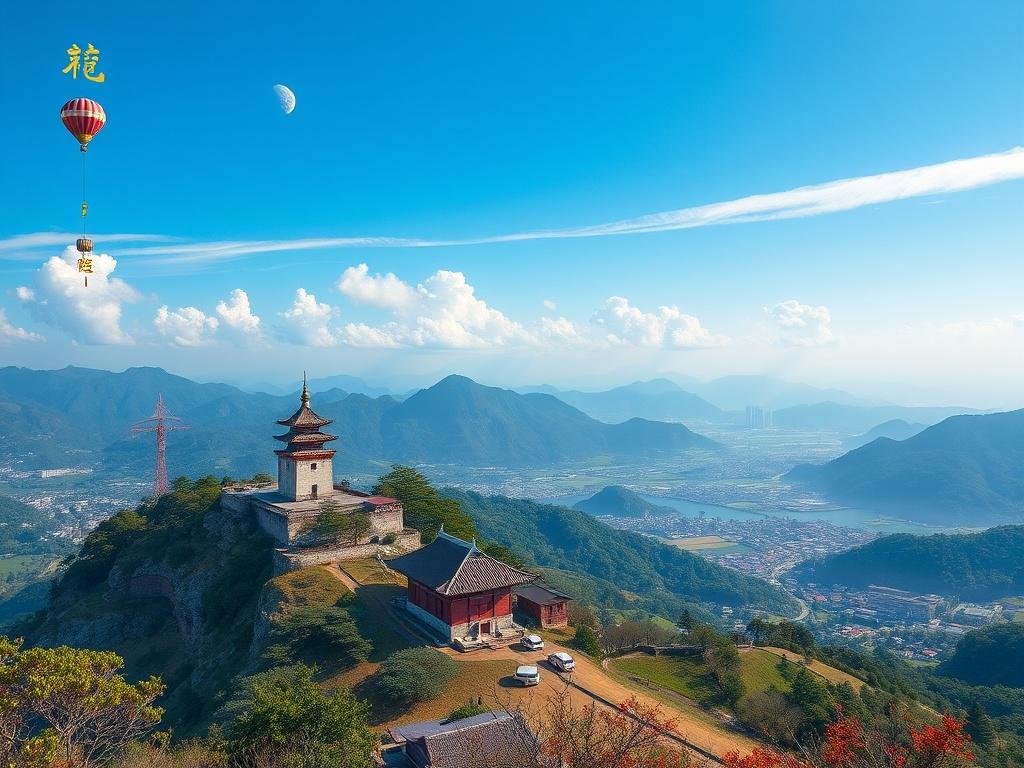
(286, 97)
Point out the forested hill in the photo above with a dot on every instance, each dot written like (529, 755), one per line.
(617, 501)
(965, 470)
(989, 656)
(977, 566)
(569, 539)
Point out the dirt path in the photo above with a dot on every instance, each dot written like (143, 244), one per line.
(343, 577)
(693, 727)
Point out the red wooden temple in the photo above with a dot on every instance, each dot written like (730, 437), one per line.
(461, 592)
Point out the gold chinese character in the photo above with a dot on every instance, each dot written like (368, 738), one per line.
(92, 57)
(74, 60)
(85, 265)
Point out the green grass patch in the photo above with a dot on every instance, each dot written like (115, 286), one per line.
(759, 671)
(688, 676)
(685, 675)
(314, 586)
(23, 566)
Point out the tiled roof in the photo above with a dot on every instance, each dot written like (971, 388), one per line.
(451, 566)
(535, 593)
(414, 731)
(378, 501)
(305, 438)
(503, 740)
(305, 417)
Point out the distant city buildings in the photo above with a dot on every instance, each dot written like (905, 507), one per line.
(758, 417)
(900, 604)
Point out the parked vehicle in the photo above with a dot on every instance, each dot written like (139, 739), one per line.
(533, 642)
(562, 661)
(528, 675)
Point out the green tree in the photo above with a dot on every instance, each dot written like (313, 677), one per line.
(758, 630)
(686, 619)
(980, 726)
(587, 641)
(69, 705)
(415, 674)
(334, 524)
(425, 510)
(314, 632)
(285, 715)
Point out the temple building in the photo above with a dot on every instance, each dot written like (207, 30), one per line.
(305, 487)
(544, 606)
(461, 593)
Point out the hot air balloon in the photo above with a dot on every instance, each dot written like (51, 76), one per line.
(83, 118)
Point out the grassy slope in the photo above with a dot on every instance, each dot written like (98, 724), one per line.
(688, 676)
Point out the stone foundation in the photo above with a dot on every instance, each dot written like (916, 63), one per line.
(294, 559)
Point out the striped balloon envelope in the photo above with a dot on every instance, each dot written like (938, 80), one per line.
(84, 118)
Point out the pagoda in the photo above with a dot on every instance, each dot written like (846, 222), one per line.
(304, 467)
(290, 510)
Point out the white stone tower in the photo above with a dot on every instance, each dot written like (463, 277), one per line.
(304, 467)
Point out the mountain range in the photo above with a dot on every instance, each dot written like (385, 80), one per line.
(965, 471)
(658, 399)
(855, 420)
(83, 417)
(894, 429)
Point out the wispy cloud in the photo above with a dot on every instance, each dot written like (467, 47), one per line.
(24, 247)
(815, 200)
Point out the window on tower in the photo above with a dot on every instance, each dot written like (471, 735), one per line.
(313, 465)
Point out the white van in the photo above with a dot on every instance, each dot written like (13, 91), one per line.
(528, 675)
(562, 661)
(533, 643)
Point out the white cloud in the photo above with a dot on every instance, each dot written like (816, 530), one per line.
(236, 313)
(186, 327)
(363, 335)
(308, 321)
(386, 291)
(550, 305)
(560, 331)
(623, 323)
(11, 332)
(24, 293)
(801, 325)
(88, 315)
(815, 200)
(442, 311)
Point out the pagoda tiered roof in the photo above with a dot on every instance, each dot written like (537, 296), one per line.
(304, 425)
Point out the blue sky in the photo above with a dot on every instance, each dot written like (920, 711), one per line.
(462, 121)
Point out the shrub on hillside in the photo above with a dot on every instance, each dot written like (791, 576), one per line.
(316, 633)
(586, 640)
(415, 674)
(285, 719)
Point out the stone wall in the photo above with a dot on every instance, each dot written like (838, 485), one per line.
(277, 525)
(294, 559)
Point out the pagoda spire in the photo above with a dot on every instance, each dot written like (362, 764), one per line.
(304, 425)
